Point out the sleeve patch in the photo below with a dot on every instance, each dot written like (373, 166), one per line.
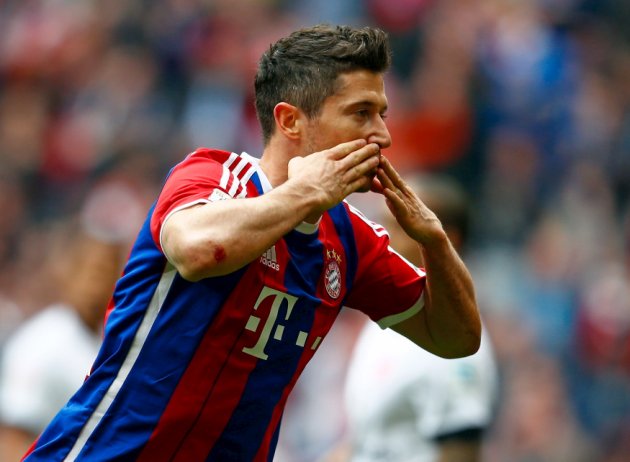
(218, 195)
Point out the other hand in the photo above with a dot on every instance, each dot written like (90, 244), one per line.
(416, 219)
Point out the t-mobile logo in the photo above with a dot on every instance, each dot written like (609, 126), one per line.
(272, 324)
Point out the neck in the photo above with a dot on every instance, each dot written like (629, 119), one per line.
(274, 162)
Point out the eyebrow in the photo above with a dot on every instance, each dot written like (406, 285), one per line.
(368, 103)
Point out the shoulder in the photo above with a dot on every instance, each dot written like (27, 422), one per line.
(202, 158)
(214, 167)
(209, 154)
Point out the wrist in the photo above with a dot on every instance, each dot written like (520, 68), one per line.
(304, 201)
(433, 237)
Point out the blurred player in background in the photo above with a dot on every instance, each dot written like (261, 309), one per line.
(48, 357)
(405, 404)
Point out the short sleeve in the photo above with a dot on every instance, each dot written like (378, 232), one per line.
(196, 180)
(387, 287)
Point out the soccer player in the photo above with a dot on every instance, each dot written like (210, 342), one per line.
(243, 265)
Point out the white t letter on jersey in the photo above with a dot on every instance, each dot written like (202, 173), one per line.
(258, 350)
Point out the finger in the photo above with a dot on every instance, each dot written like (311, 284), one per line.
(366, 168)
(396, 181)
(391, 172)
(360, 155)
(395, 202)
(384, 179)
(394, 195)
(362, 183)
(376, 186)
(342, 150)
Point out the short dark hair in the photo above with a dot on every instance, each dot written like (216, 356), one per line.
(302, 68)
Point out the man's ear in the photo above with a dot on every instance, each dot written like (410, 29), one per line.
(288, 120)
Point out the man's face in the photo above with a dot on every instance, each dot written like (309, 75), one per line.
(355, 111)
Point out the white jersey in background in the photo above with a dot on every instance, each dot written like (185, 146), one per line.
(401, 398)
(43, 363)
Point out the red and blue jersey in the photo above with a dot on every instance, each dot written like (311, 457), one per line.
(200, 371)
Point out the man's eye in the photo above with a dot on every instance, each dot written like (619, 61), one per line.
(363, 113)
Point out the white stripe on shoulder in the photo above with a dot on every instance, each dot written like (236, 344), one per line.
(155, 305)
(389, 321)
(234, 186)
(246, 177)
(226, 170)
(264, 181)
(378, 229)
(240, 166)
(238, 184)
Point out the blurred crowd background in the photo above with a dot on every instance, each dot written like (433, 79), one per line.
(525, 104)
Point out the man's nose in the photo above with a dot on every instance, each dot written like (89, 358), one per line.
(381, 134)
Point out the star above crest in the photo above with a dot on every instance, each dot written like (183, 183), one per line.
(333, 254)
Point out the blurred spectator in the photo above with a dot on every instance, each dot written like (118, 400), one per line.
(509, 195)
(45, 360)
(599, 366)
(12, 205)
(432, 124)
(536, 422)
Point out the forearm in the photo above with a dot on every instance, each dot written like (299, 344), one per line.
(219, 238)
(450, 311)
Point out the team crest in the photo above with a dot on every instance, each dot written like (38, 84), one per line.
(332, 276)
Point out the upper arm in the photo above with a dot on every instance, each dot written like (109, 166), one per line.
(186, 203)
(176, 228)
(416, 328)
(197, 180)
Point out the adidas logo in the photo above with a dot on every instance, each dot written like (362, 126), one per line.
(269, 258)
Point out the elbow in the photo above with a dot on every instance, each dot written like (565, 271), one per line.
(192, 266)
(464, 339)
(190, 273)
(197, 252)
(461, 350)
(469, 339)
(195, 261)
(467, 345)
(470, 346)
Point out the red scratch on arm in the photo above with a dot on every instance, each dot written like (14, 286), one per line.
(219, 254)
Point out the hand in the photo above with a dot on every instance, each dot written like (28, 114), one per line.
(333, 174)
(416, 219)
